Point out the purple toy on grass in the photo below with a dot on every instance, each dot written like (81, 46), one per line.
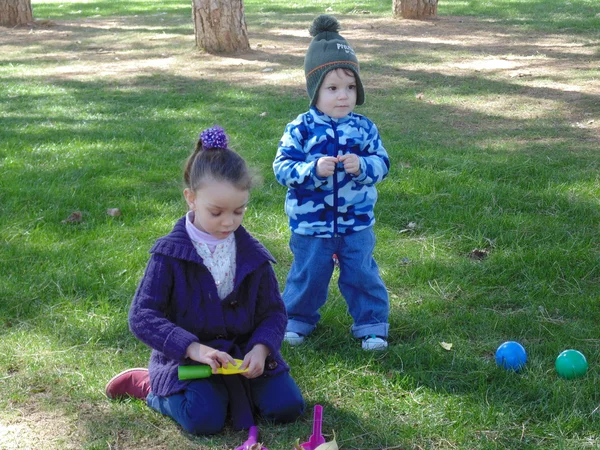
(252, 442)
(316, 438)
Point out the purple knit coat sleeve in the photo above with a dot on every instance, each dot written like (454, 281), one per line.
(151, 326)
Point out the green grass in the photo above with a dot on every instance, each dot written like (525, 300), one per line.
(484, 160)
(546, 15)
(577, 16)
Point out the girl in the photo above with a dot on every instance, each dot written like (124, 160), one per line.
(208, 295)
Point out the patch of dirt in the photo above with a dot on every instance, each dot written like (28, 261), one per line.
(530, 74)
(30, 427)
(454, 46)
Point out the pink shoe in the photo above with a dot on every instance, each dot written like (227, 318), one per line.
(129, 383)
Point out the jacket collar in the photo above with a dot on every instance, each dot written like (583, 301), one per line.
(321, 117)
(250, 253)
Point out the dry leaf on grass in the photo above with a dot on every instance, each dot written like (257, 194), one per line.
(331, 445)
(75, 217)
(114, 212)
(410, 226)
(479, 254)
(520, 74)
(420, 96)
(446, 345)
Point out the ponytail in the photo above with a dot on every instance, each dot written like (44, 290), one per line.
(212, 158)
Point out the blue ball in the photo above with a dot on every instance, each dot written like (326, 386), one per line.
(511, 356)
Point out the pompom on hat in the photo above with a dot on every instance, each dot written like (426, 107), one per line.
(327, 51)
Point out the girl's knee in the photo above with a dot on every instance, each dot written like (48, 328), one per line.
(203, 422)
(286, 410)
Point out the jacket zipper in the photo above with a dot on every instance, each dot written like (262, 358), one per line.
(335, 182)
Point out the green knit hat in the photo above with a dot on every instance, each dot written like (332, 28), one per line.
(327, 51)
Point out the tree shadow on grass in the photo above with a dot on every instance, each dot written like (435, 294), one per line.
(133, 133)
(109, 8)
(113, 416)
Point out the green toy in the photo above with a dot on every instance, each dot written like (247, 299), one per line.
(571, 364)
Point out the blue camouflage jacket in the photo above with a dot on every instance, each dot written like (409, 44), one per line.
(342, 203)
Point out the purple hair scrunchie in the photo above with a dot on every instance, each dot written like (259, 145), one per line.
(214, 137)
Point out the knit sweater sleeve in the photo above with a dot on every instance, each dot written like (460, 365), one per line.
(147, 319)
(270, 316)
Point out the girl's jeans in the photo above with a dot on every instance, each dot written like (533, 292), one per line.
(359, 282)
(202, 407)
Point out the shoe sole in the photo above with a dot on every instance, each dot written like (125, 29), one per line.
(118, 375)
(294, 341)
(375, 348)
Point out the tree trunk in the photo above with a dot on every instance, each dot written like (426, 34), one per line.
(15, 12)
(220, 25)
(415, 9)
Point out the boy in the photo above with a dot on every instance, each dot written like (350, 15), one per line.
(330, 159)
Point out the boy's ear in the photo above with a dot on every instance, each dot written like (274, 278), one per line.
(190, 197)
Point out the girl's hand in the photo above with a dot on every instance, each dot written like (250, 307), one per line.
(351, 163)
(326, 166)
(208, 355)
(255, 361)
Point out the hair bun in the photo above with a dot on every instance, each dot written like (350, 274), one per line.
(324, 22)
(214, 137)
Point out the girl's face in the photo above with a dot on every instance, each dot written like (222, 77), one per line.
(218, 206)
(337, 94)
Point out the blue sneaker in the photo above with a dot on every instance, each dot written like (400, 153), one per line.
(293, 338)
(372, 342)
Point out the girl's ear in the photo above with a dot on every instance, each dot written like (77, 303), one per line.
(190, 198)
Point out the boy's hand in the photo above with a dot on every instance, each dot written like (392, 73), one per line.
(326, 166)
(255, 361)
(351, 163)
(208, 355)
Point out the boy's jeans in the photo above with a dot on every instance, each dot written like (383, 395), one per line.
(359, 282)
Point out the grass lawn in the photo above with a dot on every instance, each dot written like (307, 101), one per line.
(491, 116)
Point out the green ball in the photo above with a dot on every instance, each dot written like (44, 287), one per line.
(571, 364)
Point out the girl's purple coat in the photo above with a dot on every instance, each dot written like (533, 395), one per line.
(176, 303)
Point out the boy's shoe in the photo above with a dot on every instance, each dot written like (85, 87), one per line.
(293, 338)
(129, 383)
(372, 342)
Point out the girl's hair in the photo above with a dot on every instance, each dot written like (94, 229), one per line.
(212, 158)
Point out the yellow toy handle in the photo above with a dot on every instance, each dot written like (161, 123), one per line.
(203, 371)
(232, 370)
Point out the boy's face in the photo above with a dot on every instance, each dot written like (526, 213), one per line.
(337, 94)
